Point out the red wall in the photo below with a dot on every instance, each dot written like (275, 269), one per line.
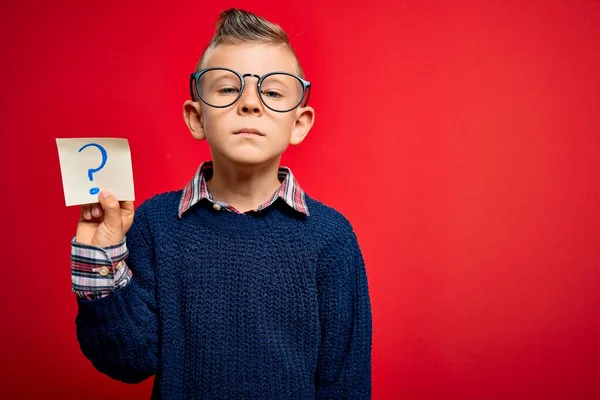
(460, 139)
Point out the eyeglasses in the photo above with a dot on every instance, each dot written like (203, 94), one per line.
(222, 87)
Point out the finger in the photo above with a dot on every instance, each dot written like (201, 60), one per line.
(112, 211)
(97, 211)
(126, 205)
(86, 212)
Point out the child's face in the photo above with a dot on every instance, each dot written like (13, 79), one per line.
(219, 125)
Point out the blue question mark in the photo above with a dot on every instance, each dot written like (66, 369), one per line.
(92, 171)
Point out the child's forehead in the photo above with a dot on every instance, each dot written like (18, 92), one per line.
(253, 58)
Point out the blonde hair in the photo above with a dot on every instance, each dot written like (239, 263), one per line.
(236, 26)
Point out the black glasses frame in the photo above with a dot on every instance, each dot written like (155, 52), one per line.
(195, 92)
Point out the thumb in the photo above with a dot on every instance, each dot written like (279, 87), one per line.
(112, 210)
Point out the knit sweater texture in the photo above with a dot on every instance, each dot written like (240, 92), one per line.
(265, 305)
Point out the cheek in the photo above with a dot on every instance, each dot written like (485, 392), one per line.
(213, 120)
(285, 123)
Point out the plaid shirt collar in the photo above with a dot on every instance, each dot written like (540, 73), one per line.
(197, 189)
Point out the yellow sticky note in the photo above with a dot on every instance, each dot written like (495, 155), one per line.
(90, 164)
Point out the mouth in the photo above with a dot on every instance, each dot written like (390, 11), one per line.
(249, 132)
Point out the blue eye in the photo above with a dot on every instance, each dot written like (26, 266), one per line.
(271, 94)
(229, 90)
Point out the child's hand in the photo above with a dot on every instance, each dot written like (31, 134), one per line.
(104, 224)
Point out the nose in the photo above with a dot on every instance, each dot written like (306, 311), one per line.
(250, 101)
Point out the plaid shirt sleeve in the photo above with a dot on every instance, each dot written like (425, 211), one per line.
(97, 272)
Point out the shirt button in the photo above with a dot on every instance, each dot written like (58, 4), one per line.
(217, 207)
(103, 271)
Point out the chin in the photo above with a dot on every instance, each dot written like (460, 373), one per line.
(250, 159)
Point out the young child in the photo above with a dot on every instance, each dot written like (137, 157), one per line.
(240, 285)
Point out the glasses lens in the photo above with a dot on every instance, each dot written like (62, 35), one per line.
(281, 92)
(219, 87)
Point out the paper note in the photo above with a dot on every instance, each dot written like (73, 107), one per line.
(88, 165)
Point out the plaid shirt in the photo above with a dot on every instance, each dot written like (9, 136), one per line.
(97, 272)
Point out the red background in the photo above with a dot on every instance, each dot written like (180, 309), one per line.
(460, 138)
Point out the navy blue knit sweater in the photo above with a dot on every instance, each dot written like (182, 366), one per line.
(267, 305)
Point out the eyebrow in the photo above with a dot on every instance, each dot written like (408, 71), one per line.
(277, 80)
(221, 74)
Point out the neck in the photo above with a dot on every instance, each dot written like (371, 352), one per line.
(245, 187)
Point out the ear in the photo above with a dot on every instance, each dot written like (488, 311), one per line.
(192, 115)
(305, 118)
